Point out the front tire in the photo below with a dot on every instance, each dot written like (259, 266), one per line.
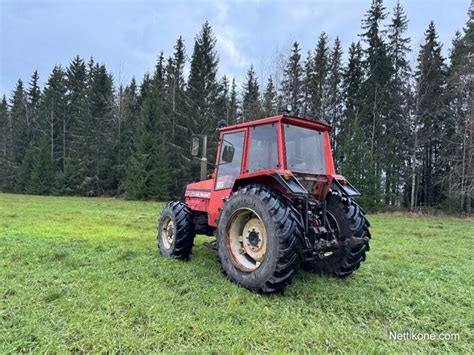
(176, 231)
(258, 236)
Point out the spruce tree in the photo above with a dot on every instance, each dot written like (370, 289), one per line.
(52, 114)
(20, 137)
(175, 120)
(148, 171)
(76, 150)
(33, 105)
(316, 76)
(145, 89)
(459, 136)
(169, 126)
(306, 85)
(251, 106)
(233, 104)
(202, 82)
(269, 99)
(127, 121)
(398, 137)
(23, 181)
(375, 108)
(42, 174)
(178, 98)
(103, 174)
(334, 93)
(202, 92)
(5, 147)
(222, 103)
(352, 143)
(430, 114)
(292, 84)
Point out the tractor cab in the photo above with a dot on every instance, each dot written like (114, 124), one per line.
(277, 145)
(290, 154)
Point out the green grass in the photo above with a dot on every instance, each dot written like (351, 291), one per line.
(80, 274)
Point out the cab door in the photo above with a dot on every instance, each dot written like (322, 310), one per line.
(229, 167)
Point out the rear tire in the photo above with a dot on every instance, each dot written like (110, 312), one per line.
(176, 231)
(258, 238)
(352, 228)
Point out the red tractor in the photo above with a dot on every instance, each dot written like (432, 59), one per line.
(274, 203)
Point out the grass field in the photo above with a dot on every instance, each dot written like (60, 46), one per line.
(80, 274)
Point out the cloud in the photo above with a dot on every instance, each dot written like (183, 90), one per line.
(302, 11)
(226, 43)
(227, 36)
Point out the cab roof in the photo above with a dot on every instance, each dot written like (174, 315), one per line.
(298, 121)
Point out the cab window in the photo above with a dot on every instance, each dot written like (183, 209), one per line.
(263, 148)
(230, 160)
(304, 150)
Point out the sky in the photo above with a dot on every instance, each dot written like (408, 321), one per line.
(128, 35)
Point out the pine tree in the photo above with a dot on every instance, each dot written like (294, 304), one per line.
(292, 85)
(251, 106)
(269, 99)
(430, 101)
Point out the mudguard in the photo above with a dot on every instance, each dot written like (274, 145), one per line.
(345, 187)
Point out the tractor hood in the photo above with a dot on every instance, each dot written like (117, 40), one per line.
(201, 189)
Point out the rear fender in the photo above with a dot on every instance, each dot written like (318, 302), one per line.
(341, 184)
(277, 181)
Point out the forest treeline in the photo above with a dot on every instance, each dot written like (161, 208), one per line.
(402, 134)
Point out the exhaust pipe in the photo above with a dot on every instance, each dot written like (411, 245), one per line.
(204, 159)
